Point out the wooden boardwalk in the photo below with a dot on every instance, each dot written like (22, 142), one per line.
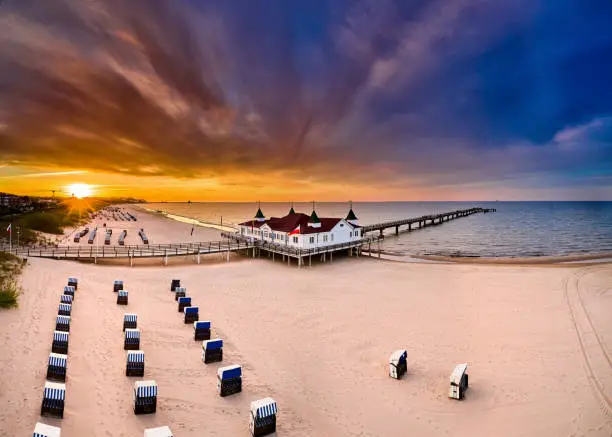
(92, 253)
(426, 220)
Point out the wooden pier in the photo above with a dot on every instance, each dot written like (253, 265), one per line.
(234, 242)
(423, 221)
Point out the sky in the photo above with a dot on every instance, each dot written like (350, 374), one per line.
(238, 100)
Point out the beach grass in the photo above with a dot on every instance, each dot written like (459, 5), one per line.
(10, 268)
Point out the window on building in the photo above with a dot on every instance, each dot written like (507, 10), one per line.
(332, 237)
(311, 240)
(357, 233)
(324, 238)
(351, 235)
(295, 239)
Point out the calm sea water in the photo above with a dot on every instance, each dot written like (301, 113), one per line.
(516, 229)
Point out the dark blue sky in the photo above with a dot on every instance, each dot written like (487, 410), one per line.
(480, 95)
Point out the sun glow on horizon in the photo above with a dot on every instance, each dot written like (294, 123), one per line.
(80, 190)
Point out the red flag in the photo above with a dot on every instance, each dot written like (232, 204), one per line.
(295, 231)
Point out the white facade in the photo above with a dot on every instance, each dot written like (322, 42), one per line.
(342, 232)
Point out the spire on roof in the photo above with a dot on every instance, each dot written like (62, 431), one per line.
(259, 215)
(351, 217)
(291, 211)
(314, 218)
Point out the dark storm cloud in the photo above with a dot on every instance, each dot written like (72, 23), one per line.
(456, 90)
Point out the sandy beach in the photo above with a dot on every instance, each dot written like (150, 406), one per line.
(538, 342)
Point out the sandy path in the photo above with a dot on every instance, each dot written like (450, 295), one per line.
(317, 340)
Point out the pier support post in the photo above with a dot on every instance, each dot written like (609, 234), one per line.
(272, 256)
(309, 260)
(132, 259)
(198, 257)
(381, 232)
(331, 257)
(409, 227)
(396, 230)
(165, 259)
(288, 260)
(228, 254)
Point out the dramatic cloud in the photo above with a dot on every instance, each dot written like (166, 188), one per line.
(443, 91)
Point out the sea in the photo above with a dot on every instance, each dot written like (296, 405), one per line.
(517, 229)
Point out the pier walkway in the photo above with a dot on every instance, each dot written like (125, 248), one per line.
(426, 220)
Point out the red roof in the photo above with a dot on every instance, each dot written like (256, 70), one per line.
(292, 221)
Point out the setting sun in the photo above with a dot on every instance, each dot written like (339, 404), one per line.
(79, 190)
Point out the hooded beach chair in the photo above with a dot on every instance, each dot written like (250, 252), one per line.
(56, 367)
(44, 430)
(174, 284)
(66, 298)
(122, 297)
(130, 321)
(145, 397)
(263, 417)
(131, 339)
(458, 382)
(229, 380)
(191, 314)
(64, 309)
(74, 282)
(117, 285)
(201, 330)
(212, 350)
(69, 290)
(180, 292)
(60, 342)
(162, 431)
(54, 396)
(183, 302)
(398, 363)
(62, 323)
(135, 363)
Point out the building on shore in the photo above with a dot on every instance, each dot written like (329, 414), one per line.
(302, 231)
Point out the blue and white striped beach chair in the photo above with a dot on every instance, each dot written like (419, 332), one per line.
(229, 380)
(62, 323)
(201, 330)
(175, 283)
(66, 298)
(117, 285)
(56, 367)
(60, 342)
(74, 282)
(180, 292)
(212, 350)
(183, 302)
(54, 397)
(398, 363)
(69, 290)
(122, 297)
(263, 417)
(131, 339)
(162, 431)
(44, 430)
(64, 309)
(191, 314)
(130, 321)
(145, 397)
(135, 363)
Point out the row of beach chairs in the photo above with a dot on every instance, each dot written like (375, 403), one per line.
(145, 392)
(398, 367)
(54, 394)
(262, 418)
